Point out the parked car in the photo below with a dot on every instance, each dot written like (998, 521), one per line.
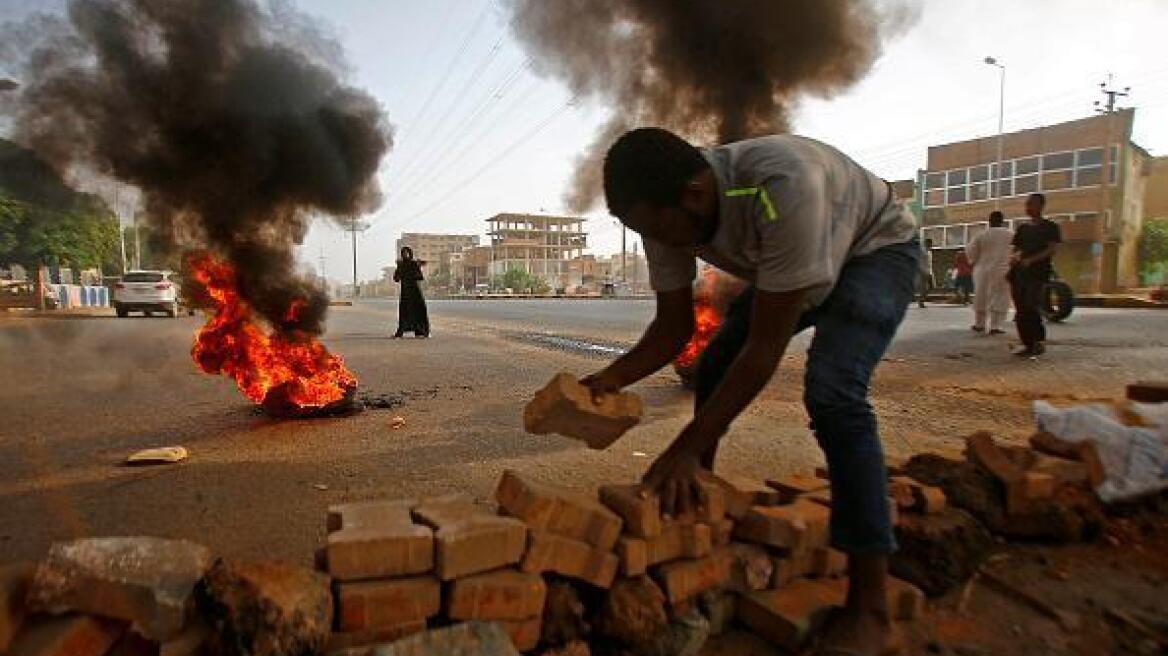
(146, 292)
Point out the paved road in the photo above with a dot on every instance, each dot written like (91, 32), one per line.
(80, 394)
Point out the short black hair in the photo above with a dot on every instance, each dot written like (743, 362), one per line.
(1041, 200)
(649, 165)
(997, 219)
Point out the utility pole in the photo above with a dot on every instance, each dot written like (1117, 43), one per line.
(323, 277)
(121, 229)
(996, 180)
(137, 242)
(1112, 95)
(624, 269)
(354, 227)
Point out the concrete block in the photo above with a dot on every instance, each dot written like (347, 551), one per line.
(144, 580)
(559, 511)
(682, 580)
(469, 539)
(367, 552)
(566, 407)
(641, 515)
(368, 513)
(368, 605)
(548, 552)
(67, 635)
(505, 594)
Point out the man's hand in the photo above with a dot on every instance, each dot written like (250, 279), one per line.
(601, 383)
(675, 478)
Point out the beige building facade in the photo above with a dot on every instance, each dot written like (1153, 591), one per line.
(1094, 178)
(434, 249)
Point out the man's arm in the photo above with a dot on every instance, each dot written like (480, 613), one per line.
(1040, 255)
(774, 316)
(663, 340)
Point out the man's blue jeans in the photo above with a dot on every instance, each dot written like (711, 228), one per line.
(853, 327)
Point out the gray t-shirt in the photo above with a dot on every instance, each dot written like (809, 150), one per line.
(792, 211)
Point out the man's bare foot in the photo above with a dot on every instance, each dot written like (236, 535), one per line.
(855, 632)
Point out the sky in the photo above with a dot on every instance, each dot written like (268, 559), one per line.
(478, 131)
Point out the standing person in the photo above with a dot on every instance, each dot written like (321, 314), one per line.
(963, 280)
(989, 253)
(823, 243)
(1030, 269)
(411, 309)
(925, 279)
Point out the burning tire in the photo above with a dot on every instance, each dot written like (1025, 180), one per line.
(279, 405)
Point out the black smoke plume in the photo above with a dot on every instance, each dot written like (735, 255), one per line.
(232, 119)
(712, 70)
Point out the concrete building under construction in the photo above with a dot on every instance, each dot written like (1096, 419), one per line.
(542, 245)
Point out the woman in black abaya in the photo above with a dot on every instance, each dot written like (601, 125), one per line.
(411, 309)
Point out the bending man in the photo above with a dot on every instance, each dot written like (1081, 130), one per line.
(823, 243)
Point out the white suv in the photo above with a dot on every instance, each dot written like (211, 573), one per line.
(146, 291)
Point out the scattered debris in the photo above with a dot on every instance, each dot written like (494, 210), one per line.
(320, 486)
(160, 455)
(397, 422)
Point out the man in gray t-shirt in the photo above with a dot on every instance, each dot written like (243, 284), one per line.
(823, 243)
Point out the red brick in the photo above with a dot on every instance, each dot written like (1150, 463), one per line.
(366, 552)
(677, 540)
(723, 532)
(900, 489)
(191, 642)
(751, 568)
(1148, 392)
(741, 494)
(524, 633)
(981, 449)
(1065, 471)
(787, 617)
(365, 605)
(566, 407)
(503, 595)
(641, 515)
(789, 567)
(905, 601)
(15, 579)
(795, 484)
(798, 526)
(565, 513)
(66, 635)
(828, 562)
(469, 539)
(351, 639)
(929, 500)
(1089, 456)
(548, 552)
(368, 513)
(681, 580)
(1031, 488)
(1054, 446)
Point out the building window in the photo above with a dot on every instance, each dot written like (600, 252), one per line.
(1089, 157)
(979, 173)
(979, 191)
(955, 195)
(1114, 165)
(1003, 188)
(1025, 184)
(1058, 161)
(935, 198)
(1089, 176)
(956, 177)
(1007, 169)
(1027, 165)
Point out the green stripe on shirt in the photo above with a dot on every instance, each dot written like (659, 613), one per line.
(764, 197)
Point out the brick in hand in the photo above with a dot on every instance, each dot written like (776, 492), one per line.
(469, 539)
(566, 407)
(562, 512)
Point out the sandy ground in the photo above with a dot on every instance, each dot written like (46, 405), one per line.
(79, 395)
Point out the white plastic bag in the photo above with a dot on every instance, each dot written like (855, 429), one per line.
(1135, 459)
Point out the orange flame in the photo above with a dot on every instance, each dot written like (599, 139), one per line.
(706, 322)
(233, 344)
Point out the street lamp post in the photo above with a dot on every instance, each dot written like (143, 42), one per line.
(1001, 129)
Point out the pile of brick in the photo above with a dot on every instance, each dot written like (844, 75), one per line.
(755, 553)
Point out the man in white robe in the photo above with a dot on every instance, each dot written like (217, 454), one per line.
(989, 253)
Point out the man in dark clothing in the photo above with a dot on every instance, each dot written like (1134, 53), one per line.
(1034, 245)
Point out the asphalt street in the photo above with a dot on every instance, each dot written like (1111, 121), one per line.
(80, 394)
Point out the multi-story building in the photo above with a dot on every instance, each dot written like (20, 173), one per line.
(434, 249)
(541, 245)
(1091, 172)
(468, 268)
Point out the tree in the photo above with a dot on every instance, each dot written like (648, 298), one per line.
(522, 282)
(1154, 251)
